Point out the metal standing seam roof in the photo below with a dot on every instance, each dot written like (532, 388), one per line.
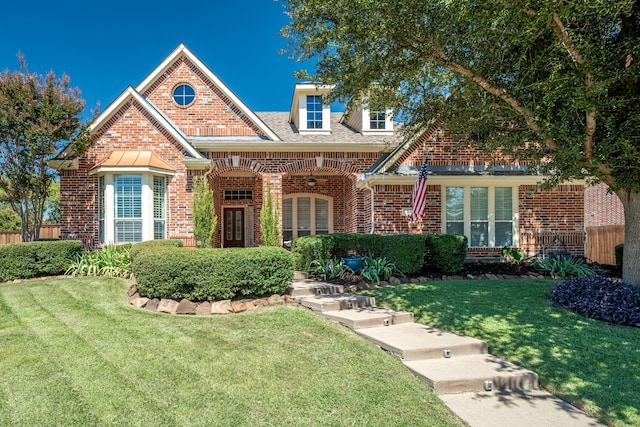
(133, 158)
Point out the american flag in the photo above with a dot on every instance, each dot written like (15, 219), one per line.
(418, 198)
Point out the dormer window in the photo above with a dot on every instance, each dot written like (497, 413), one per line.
(377, 120)
(310, 112)
(314, 111)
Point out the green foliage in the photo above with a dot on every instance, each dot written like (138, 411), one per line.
(34, 259)
(446, 252)
(512, 255)
(559, 266)
(211, 274)
(9, 220)
(405, 251)
(376, 269)
(552, 84)
(136, 248)
(619, 251)
(110, 261)
(329, 268)
(205, 219)
(38, 115)
(269, 217)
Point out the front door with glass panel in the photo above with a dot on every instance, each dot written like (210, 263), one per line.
(233, 228)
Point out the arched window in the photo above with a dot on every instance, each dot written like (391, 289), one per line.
(306, 214)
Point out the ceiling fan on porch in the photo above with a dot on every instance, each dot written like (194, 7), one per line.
(312, 181)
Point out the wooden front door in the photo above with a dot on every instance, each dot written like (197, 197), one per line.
(233, 228)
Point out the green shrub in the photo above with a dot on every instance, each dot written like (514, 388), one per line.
(376, 269)
(619, 249)
(405, 251)
(110, 261)
(446, 252)
(136, 248)
(34, 259)
(559, 266)
(211, 274)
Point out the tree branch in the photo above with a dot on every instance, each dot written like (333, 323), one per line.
(590, 115)
(524, 112)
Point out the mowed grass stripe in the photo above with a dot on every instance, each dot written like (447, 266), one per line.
(98, 383)
(34, 389)
(273, 366)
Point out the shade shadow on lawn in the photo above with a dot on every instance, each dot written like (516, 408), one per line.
(591, 364)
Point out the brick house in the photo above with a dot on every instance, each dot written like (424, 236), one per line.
(328, 171)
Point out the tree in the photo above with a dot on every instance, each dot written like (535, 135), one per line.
(205, 219)
(269, 218)
(38, 114)
(554, 83)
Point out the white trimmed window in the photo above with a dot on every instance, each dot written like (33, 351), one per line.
(486, 215)
(314, 111)
(131, 207)
(306, 214)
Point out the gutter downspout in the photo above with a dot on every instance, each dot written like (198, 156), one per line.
(368, 187)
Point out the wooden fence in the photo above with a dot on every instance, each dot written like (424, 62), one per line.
(601, 242)
(46, 232)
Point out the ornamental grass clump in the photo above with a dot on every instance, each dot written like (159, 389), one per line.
(110, 261)
(599, 297)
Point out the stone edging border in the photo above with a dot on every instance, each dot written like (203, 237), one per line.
(205, 308)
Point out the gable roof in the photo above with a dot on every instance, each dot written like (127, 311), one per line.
(131, 93)
(182, 50)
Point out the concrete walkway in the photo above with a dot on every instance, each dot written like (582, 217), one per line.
(480, 388)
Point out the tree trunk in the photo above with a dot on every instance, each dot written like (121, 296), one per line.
(631, 259)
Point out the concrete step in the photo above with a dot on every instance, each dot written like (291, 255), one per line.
(413, 341)
(370, 317)
(471, 373)
(337, 302)
(307, 287)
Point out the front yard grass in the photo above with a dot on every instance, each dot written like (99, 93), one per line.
(594, 365)
(74, 353)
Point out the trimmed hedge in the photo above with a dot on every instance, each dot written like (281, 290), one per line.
(35, 259)
(137, 247)
(405, 251)
(446, 252)
(211, 274)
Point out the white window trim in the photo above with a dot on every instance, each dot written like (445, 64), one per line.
(147, 205)
(302, 114)
(294, 210)
(515, 207)
(366, 123)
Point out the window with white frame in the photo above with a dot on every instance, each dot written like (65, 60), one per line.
(377, 120)
(314, 111)
(303, 215)
(131, 207)
(484, 214)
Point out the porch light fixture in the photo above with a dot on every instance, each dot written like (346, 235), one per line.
(311, 182)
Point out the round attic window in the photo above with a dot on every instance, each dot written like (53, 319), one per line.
(183, 95)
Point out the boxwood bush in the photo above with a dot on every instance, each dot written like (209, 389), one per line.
(446, 252)
(211, 274)
(136, 248)
(405, 251)
(599, 297)
(35, 259)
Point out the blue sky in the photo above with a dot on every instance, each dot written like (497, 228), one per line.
(106, 46)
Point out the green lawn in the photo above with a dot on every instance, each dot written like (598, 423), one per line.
(74, 353)
(594, 365)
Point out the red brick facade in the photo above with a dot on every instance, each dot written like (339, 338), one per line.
(367, 192)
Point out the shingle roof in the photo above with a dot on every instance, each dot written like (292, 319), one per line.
(279, 123)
